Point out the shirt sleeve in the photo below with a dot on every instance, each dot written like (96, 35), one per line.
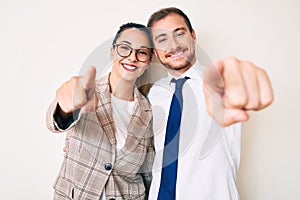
(56, 123)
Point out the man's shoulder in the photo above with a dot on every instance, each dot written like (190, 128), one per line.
(160, 84)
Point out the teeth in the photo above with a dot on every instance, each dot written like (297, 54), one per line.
(129, 67)
(177, 54)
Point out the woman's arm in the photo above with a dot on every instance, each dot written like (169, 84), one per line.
(58, 121)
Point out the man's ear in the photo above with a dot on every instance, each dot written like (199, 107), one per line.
(154, 51)
(194, 35)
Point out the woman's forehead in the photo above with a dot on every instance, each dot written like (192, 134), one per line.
(135, 37)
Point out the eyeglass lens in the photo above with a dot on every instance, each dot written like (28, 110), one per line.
(125, 50)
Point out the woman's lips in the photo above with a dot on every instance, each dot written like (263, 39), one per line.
(129, 67)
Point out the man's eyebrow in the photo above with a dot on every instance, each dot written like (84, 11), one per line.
(179, 29)
(164, 34)
(160, 35)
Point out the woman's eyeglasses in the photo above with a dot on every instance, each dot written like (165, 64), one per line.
(142, 55)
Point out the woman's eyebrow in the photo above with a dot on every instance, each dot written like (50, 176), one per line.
(125, 41)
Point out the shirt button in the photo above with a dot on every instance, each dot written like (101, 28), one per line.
(108, 166)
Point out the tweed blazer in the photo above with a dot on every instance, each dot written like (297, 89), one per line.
(92, 161)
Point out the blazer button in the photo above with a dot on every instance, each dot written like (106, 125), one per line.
(108, 166)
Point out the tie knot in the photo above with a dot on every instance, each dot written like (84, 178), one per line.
(179, 82)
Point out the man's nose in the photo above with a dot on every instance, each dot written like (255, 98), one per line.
(172, 43)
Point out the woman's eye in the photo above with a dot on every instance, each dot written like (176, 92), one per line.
(125, 48)
(144, 52)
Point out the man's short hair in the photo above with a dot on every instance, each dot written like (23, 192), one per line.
(162, 13)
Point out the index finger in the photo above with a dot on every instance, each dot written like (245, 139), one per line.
(266, 91)
(235, 91)
(89, 77)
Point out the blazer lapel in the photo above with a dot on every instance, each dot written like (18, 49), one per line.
(139, 123)
(104, 110)
(140, 118)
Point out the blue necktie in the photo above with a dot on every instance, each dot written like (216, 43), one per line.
(169, 167)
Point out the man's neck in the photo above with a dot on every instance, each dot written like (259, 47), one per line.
(178, 73)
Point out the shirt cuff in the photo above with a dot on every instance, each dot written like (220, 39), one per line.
(64, 123)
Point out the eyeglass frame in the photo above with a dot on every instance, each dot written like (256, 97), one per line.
(131, 50)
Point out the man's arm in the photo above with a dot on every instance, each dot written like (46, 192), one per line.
(238, 87)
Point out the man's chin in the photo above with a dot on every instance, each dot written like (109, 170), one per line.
(178, 66)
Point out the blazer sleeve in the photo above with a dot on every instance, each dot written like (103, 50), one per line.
(55, 123)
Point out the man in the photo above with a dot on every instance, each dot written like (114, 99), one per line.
(180, 171)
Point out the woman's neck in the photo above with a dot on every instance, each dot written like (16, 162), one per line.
(121, 88)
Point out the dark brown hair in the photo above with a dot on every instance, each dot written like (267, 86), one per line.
(162, 13)
(136, 26)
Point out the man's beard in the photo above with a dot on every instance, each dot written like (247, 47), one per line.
(186, 64)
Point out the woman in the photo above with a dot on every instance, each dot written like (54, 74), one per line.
(109, 126)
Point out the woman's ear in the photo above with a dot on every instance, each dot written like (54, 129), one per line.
(148, 66)
(111, 53)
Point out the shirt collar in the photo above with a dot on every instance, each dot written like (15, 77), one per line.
(195, 72)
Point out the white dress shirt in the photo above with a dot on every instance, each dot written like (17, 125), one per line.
(203, 176)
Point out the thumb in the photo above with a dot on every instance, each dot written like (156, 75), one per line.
(213, 77)
(89, 82)
(219, 66)
(233, 116)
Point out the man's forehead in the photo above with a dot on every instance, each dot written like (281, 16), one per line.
(160, 31)
(169, 22)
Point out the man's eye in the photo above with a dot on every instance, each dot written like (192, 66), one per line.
(179, 34)
(162, 40)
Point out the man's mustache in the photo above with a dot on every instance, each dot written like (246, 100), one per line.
(178, 49)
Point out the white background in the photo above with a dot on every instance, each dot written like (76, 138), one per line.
(44, 43)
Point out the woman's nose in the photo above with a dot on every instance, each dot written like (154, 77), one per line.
(132, 56)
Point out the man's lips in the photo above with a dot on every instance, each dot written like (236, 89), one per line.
(175, 54)
(129, 67)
